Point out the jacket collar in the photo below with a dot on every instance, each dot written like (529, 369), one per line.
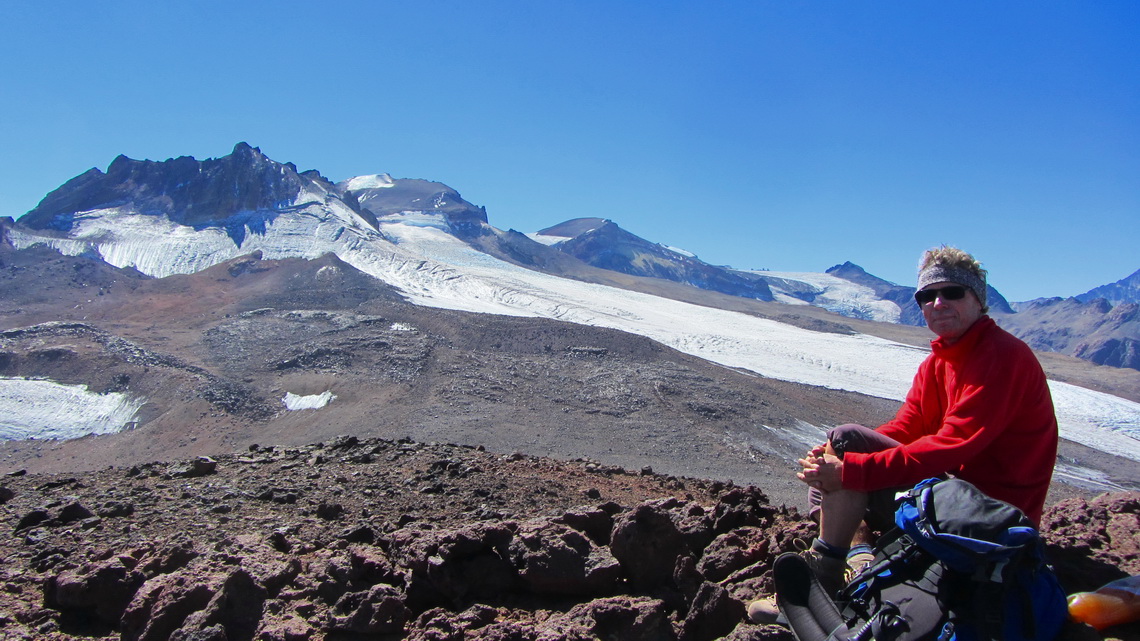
(966, 343)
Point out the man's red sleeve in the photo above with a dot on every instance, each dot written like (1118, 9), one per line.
(975, 416)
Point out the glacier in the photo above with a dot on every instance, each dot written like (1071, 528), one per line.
(415, 254)
(835, 294)
(35, 408)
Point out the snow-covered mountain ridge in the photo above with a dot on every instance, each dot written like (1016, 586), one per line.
(602, 243)
(1095, 332)
(832, 293)
(415, 242)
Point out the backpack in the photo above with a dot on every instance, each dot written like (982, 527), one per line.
(959, 566)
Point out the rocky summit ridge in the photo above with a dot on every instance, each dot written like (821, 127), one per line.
(355, 539)
(184, 190)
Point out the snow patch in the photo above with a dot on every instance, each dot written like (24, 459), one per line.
(294, 402)
(682, 252)
(416, 219)
(549, 241)
(781, 297)
(375, 181)
(1084, 477)
(42, 409)
(402, 327)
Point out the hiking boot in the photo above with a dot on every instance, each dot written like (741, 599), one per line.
(830, 572)
(827, 570)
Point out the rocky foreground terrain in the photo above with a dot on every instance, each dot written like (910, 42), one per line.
(394, 539)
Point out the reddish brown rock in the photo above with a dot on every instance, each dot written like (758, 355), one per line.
(505, 552)
(619, 617)
(712, 614)
(378, 610)
(648, 542)
(552, 558)
(733, 551)
(450, 567)
(164, 603)
(103, 590)
(1093, 542)
(235, 609)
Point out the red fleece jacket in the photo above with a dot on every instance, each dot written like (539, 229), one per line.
(979, 409)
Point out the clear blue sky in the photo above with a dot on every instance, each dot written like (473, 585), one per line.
(763, 133)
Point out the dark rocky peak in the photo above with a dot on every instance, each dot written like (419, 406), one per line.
(610, 231)
(602, 237)
(316, 176)
(187, 191)
(846, 267)
(576, 227)
(381, 195)
(1098, 305)
(602, 243)
(608, 240)
(856, 274)
(53, 212)
(1070, 305)
(1125, 290)
(996, 301)
(1037, 303)
(1125, 312)
(1114, 340)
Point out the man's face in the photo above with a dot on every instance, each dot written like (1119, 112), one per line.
(951, 318)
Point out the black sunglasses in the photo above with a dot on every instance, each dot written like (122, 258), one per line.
(951, 292)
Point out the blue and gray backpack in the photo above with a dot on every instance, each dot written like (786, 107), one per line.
(959, 566)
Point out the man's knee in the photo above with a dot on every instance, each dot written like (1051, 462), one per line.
(852, 437)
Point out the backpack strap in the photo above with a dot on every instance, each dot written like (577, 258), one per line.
(886, 624)
(989, 606)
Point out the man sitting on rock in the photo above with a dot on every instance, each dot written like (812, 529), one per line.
(979, 409)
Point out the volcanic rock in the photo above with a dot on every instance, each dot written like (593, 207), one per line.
(512, 549)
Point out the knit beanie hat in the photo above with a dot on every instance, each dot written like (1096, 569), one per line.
(936, 273)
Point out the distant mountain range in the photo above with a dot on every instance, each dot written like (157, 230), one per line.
(1102, 326)
(131, 215)
(1125, 290)
(603, 244)
(186, 307)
